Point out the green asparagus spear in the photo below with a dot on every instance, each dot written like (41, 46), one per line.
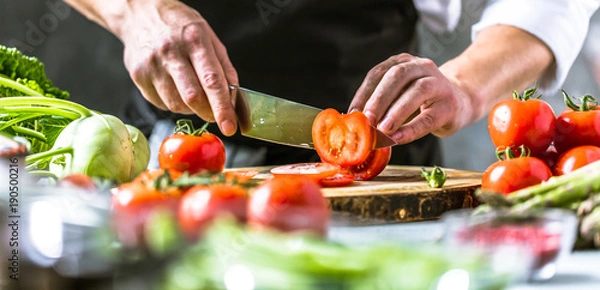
(588, 205)
(590, 225)
(588, 175)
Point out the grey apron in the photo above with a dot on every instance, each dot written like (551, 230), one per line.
(310, 51)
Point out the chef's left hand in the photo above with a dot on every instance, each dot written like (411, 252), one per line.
(404, 84)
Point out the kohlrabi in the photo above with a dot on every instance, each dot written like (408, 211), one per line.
(91, 143)
(141, 148)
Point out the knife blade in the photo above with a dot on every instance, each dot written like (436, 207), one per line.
(269, 118)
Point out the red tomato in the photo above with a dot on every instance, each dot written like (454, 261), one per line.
(192, 152)
(506, 176)
(289, 204)
(344, 139)
(575, 158)
(133, 203)
(337, 180)
(522, 121)
(77, 180)
(374, 164)
(201, 204)
(577, 125)
(314, 170)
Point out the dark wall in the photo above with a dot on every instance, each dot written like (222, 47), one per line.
(79, 55)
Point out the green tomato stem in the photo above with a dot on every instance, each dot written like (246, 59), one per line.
(50, 153)
(435, 178)
(588, 102)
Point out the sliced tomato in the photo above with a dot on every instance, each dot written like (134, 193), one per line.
(315, 170)
(344, 139)
(374, 164)
(337, 180)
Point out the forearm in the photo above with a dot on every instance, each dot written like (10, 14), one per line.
(501, 59)
(112, 14)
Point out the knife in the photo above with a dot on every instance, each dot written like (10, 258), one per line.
(269, 118)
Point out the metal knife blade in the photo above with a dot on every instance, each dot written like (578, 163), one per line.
(281, 121)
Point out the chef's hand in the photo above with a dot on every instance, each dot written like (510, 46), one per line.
(177, 61)
(394, 92)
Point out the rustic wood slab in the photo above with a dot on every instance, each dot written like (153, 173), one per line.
(400, 194)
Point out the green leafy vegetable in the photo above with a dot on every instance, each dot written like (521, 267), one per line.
(22, 75)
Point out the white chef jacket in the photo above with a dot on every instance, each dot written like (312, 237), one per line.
(561, 24)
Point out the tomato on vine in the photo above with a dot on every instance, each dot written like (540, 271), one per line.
(192, 150)
(578, 124)
(511, 173)
(523, 120)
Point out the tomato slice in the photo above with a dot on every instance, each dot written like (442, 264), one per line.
(374, 164)
(337, 180)
(314, 170)
(344, 139)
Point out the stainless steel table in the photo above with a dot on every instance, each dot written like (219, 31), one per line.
(578, 271)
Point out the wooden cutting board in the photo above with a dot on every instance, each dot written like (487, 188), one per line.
(400, 194)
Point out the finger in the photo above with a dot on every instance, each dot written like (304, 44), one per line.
(190, 90)
(417, 94)
(423, 124)
(211, 76)
(230, 72)
(166, 89)
(149, 93)
(371, 81)
(396, 80)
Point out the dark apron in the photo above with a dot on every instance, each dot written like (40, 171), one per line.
(310, 51)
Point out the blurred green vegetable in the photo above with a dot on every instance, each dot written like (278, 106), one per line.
(234, 258)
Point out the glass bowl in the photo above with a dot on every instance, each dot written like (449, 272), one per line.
(530, 243)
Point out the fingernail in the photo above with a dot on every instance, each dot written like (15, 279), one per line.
(386, 125)
(371, 117)
(227, 127)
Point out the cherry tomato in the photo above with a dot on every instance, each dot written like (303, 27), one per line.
(192, 151)
(289, 204)
(344, 139)
(577, 125)
(337, 180)
(202, 204)
(77, 180)
(576, 157)
(523, 120)
(133, 203)
(314, 170)
(374, 164)
(506, 176)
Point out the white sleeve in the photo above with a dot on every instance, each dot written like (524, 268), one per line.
(561, 24)
(439, 15)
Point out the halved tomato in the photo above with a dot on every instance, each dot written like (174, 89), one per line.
(344, 139)
(314, 170)
(375, 163)
(337, 180)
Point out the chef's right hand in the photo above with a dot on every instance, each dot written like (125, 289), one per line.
(177, 61)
